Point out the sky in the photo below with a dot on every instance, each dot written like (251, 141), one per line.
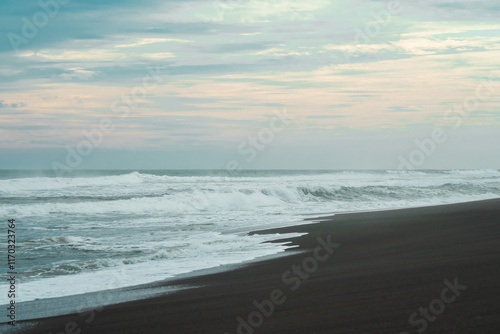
(249, 84)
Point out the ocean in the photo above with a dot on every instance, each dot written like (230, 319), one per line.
(97, 230)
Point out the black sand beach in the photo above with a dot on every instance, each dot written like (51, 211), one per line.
(368, 273)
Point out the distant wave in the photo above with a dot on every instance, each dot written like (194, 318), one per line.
(52, 183)
(241, 197)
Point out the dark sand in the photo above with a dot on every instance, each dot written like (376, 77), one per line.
(389, 264)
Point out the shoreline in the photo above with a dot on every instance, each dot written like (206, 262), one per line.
(378, 250)
(37, 310)
(150, 289)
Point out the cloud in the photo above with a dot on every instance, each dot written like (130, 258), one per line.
(227, 64)
(146, 41)
(255, 11)
(87, 55)
(12, 105)
(159, 55)
(25, 127)
(9, 71)
(78, 73)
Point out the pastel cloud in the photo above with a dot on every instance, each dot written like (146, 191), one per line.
(146, 41)
(226, 65)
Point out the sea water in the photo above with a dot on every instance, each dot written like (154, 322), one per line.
(97, 230)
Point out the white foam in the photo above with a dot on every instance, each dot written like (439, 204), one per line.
(203, 253)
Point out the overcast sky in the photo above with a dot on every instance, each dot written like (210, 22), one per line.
(183, 84)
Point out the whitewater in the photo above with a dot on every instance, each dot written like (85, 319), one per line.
(99, 230)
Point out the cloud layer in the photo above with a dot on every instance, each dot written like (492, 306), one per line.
(344, 69)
